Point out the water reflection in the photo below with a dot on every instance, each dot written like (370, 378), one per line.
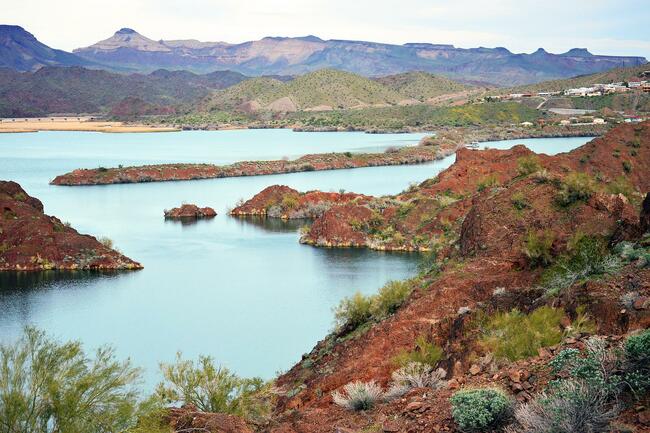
(273, 225)
(13, 281)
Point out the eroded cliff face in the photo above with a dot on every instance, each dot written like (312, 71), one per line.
(478, 216)
(30, 240)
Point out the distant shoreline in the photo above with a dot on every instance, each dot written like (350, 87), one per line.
(79, 126)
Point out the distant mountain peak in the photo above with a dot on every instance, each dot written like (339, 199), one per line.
(578, 52)
(125, 31)
(20, 50)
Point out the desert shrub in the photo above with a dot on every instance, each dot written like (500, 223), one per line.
(353, 311)
(358, 395)
(211, 388)
(528, 164)
(571, 407)
(519, 201)
(637, 361)
(630, 252)
(597, 367)
(289, 202)
(542, 176)
(627, 166)
(47, 386)
(414, 375)
(514, 335)
(582, 324)
(575, 187)
(621, 185)
(424, 352)
(106, 241)
(480, 409)
(404, 209)
(538, 247)
(489, 181)
(588, 257)
(390, 297)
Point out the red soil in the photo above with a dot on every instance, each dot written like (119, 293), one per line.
(485, 271)
(31, 240)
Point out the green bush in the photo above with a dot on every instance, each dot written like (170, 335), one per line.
(627, 166)
(390, 297)
(538, 247)
(425, 352)
(637, 358)
(353, 311)
(480, 409)
(211, 388)
(588, 257)
(519, 201)
(575, 187)
(514, 335)
(528, 164)
(489, 181)
(46, 386)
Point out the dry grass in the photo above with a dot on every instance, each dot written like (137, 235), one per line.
(85, 126)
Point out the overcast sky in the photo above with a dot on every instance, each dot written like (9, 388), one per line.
(605, 27)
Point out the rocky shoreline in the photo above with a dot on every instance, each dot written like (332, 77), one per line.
(30, 240)
(432, 148)
(312, 162)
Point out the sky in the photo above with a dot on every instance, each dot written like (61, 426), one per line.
(604, 27)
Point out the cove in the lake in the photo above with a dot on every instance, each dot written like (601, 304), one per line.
(243, 291)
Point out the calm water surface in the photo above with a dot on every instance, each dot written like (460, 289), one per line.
(244, 291)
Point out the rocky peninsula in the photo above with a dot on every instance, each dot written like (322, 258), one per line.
(443, 144)
(30, 240)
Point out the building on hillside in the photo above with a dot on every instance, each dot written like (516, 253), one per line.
(565, 122)
(646, 88)
(635, 83)
(598, 121)
(526, 124)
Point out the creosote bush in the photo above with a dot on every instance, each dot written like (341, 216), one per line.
(354, 311)
(587, 257)
(514, 335)
(538, 247)
(425, 352)
(528, 164)
(480, 409)
(106, 241)
(575, 186)
(212, 388)
(358, 395)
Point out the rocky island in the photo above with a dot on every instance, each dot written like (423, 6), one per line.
(30, 240)
(190, 211)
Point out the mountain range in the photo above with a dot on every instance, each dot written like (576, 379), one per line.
(127, 50)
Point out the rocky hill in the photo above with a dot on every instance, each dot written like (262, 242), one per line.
(21, 51)
(532, 256)
(422, 86)
(80, 90)
(322, 90)
(296, 56)
(30, 240)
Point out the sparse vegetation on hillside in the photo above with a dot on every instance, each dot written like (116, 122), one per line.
(481, 409)
(422, 86)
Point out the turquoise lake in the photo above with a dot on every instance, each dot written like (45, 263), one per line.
(243, 291)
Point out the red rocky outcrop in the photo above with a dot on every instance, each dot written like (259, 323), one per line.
(30, 240)
(190, 211)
